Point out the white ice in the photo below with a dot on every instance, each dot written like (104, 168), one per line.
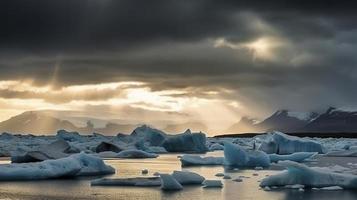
(191, 160)
(309, 177)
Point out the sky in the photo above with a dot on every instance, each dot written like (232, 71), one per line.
(188, 60)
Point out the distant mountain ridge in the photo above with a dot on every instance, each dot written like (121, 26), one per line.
(37, 122)
(333, 120)
(45, 123)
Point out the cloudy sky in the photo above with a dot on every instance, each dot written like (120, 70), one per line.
(203, 60)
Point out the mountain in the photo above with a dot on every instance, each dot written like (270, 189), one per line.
(35, 122)
(180, 128)
(286, 121)
(333, 120)
(38, 122)
(245, 125)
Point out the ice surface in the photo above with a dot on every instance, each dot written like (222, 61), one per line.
(212, 184)
(168, 182)
(236, 156)
(281, 143)
(188, 178)
(309, 177)
(134, 153)
(296, 157)
(191, 160)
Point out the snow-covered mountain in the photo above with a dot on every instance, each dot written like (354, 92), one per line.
(245, 125)
(333, 120)
(286, 121)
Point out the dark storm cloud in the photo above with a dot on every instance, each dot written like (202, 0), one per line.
(169, 44)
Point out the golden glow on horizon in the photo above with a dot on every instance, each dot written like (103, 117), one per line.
(20, 96)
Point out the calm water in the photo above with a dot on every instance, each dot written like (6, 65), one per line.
(81, 189)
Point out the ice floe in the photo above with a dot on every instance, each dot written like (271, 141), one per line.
(191, 160)
(280, 143)
(296, 157)
(74, 165)
(309, 177)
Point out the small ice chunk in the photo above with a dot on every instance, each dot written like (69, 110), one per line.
(212, 184)
(237, 180)
(226, 176)
(332, 188)
(191, 160)
(134, 153)
(295, 186)
(267, 188)
(168, 182)
(188, 178)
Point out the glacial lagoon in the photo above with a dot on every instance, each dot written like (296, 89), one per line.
(248, 189)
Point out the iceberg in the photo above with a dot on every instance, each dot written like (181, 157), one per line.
(212, 184)
(136, 182)
(134, 153)
(107, 146)
(342, 153)
(53, 150)
(153, 136)
(296, 157)
(168, 182)
(236, 156)
(280, 143)
(186, 142)
(75, 165)
(309, 177)
(188, 178)
(191, 160)
(92, 165)
(216, 147)
(69, 136)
